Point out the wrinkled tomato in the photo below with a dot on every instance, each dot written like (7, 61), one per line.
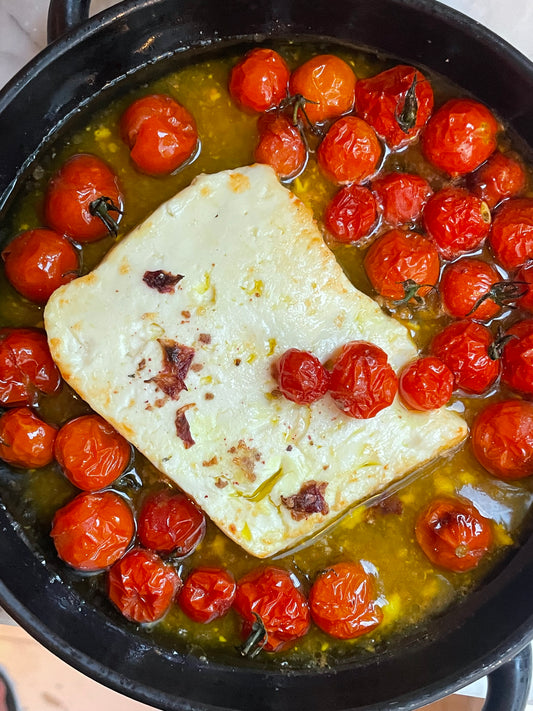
(511, 235)
(26, 440)
(351, 214)
(280, 145)
(524, 280)
(301, 377)
(169, 522)
(517, 357)
(328, 84)
(425, 384)
(401, 197)
(207, 594)
(259, 81)
(467, 289)
(350, 151)
(501, 176)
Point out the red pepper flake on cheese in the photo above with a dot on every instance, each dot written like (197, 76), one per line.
(177, 360)
(162, 281)
(183, 429)
(309, 500)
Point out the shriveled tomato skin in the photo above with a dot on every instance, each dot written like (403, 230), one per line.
(350, 151)
(511, 234)
(501, 176)
(301, 377)
(453, 534)
(142, 586)
(343, 601)
(517, 357)
(502, 439)
(463, 283)
(401, 197)
(208, 593)
(525, 277)
(351, 214)
(280, 145)
(328, 83)
(26, 440)
(170, 522)
(259, 81)
(426, 384)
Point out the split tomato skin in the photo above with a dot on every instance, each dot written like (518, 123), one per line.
(169, 522)
(207, 594)
(301, 377)
(280, 145)
(351, 214)
(425, 384)
(517, 357)
(259, 81)
(401, 197)
(463, 283)
(511, 234)
(501, 176)
(350, 152)
(26, 441)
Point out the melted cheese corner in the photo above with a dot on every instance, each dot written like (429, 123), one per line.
(173, 339)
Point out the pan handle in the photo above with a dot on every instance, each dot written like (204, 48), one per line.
(65, 15)
(508, 686)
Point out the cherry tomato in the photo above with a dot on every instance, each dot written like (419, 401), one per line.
(271, 594)
(160, 133)
(350, 151)
(425, 384)
(26, 366)
(362, 380)
(93, 531)
(517, 357)
(170, 522)
(465, 347)
(502, 439)
(453, 534)
(280, 145)
(501, 176)
(301, 377)
(83, 180)
(524, 279)
(401, 197)
(38, 261)
(25, 440)
(328, 84)
(398, 261)
(351, 214)
(464, 283)
(511, 235)
(259, 81)
(396, 103)
(343, 601)
(457, 221)
(207, 594)
(460, 136)
(142, 586)
(91, 453)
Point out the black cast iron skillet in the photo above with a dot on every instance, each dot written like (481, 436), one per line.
(89, 65)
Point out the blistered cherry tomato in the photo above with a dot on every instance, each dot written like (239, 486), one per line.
(280, 145)
(38, 261)
(271, 594)
(511, 234)
(453, 534)
(524, 280)
(350, 151)
(396, 103)
(343, 601)
(328, 84)
(401, 197)
(26, 366)
(160, 132)
(399, 261)
(259, 81)
(456, 220)
(460, 136)
(502, 439)
(207, 594)
(501, 176)
(93, 530)
(170, 522)
(465, 347)
(425, 384)
(91, 453)
(351, 214)
(467, 282)
(142, 586)
(73, 193)
(25, 440)
(362, 381)
(301, 377)
(517, 357)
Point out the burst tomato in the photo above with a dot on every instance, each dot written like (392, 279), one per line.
(401, 197)
(259, 81)
(351, 214)
(524, 281)
(343, 601)
(453, 534)
(517, 357)
(328, 84)
(301, 377)
(350, 151)
(280, 145)
(511, 235)
(425, 384)
(467, 289)
(93, 531)
(25, 440)
(501, 176)
(207, 594)
(170, 522)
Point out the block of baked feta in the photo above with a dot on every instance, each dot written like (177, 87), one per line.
(173, 339)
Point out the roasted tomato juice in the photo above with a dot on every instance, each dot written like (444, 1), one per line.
(384, 537)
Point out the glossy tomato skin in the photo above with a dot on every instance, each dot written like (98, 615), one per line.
(301, 377)
(169, 522)
(344, 601)
(501, 176)
(91, 453)
(208, 593)
(350, 151)
(453, 534)
(457, 221)
(93, 530)
(26, 440)
(401, 197)
(351, 214)
(511, 234)
(280, 145)
(398, 256)
(80, 181)
(362, 380)
(328, 83)
(160, 133)
(517, 357)
(380, 100)
(425, 384)
(142, 586)
(459, 136)
(39, 261)
(259, 81)
(463, 283)
(464, 347)
(271, 594)
(524, 277)
(502, 439)
(26, 366)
